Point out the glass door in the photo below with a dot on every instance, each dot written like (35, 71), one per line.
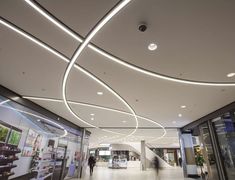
(224, 127)
(60, 160)
(209, 167)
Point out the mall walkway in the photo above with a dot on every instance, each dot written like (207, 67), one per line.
(101, 173)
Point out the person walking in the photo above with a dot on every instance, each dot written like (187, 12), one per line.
(156, 166)
(180, 161)
(91, 164)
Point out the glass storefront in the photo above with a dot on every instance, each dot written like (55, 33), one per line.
(33, 146)
(217, 144)
(225, 131)
(210, 167)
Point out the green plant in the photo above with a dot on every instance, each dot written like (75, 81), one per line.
(199, 162)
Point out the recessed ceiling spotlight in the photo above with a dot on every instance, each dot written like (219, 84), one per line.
(38, 120)
(100, 93)
(92, 114)
(180, 115)
(152, 46)
(183, 106)
(124, 121)
(92, 119)
(230, 74)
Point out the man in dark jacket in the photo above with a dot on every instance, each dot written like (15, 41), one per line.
(156, 166)
(91, 164)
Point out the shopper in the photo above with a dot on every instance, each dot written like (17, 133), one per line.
(91, 164)
(156, 166)
(180, 161)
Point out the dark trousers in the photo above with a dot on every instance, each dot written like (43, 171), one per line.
(91, 168)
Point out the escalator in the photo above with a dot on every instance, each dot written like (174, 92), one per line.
(150, 155)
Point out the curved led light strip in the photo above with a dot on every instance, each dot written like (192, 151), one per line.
(37, 116)
(99, 107)
(77, 53)
(79, 38)
(64, 58)
(3, 102)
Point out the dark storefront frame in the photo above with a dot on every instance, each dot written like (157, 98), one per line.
(230, 108)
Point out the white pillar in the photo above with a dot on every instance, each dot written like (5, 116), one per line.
(191, 167)
(143, 156)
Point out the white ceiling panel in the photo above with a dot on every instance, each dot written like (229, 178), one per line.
(22, 15)
(195, 41)
(80, 15)
(195, 38)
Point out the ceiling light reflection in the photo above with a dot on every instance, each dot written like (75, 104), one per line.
(37, 116)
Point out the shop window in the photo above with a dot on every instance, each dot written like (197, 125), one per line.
(225, 131)
(205, 151)
(35, 146)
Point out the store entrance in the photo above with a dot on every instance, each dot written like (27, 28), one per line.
(60, 162)
(209, 168)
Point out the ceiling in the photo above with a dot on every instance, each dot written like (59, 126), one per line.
(195, 42)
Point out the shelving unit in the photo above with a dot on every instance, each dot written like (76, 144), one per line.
(45, 165)
(9, 140)
(7, 157)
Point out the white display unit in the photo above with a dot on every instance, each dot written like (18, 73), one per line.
(45, 165)
(117, 163)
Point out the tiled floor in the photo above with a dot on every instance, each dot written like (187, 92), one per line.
(101, 173)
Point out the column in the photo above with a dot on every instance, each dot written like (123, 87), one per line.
(189, 160)
(143, 156)
(81, 163)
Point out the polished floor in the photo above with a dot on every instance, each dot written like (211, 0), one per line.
(101, 173)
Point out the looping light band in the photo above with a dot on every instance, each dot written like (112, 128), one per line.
(100, 107)
(115, 59)
(78, 52)
(65, 59)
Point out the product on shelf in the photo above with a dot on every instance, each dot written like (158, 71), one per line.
(43, 163)
(7, 157)
(9, 140)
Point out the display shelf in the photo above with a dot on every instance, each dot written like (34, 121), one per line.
(46, 176)
(44, 165)
(6, 175)
(8, 156)
(7, 166)
(44, 161)
(49, 152)
(9, 152)
(6, 161)
(43, 170)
